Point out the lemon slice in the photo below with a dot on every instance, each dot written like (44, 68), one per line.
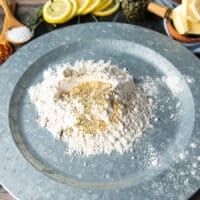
(91, 7)
(101, 4)
(74, 9)
(104, 5)
(82, 5)
(109, 11)
(57, 11)
(195, 8)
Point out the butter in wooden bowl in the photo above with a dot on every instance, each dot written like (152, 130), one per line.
(186, 26)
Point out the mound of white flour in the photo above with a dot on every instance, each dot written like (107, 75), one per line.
(95, 107)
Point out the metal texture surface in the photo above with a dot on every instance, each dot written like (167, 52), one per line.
(30, 156)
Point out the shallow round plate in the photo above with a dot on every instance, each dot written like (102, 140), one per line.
(165, 160)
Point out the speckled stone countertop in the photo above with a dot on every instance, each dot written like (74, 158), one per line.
(26, 7)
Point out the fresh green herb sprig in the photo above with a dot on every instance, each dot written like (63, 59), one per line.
(35, 19)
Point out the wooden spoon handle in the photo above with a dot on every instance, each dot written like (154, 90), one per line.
(6, 8)
(10, 20)
(159, 10)
(12, 5)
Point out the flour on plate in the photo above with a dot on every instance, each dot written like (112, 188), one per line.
(95, 107)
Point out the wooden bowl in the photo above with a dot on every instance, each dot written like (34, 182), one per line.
(178, 1)
(179, 37)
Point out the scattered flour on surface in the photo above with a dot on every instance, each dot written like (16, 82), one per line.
(188, 79)
(95, 107)
(150, 86)
(152, 157)
(182, 156)
(193, 145)
(174, 83)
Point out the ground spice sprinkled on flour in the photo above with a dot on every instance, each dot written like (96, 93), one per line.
(95, 107)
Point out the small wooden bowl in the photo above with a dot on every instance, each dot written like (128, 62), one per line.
(179, 37)
(178, 1)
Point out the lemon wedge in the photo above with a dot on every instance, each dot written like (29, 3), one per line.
(57, 11)
(104, 5)
(109, 11)
(82, 5)
(195, 8)
(91, 7)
